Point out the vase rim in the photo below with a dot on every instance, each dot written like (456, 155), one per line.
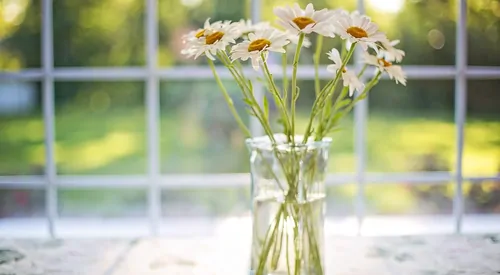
(264, 142)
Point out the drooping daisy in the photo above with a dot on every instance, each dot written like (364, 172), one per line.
(297, 20)
(212, 38)
(261, 41)
(394, 71)
(359, 28)
(349, 78)
(390, 52)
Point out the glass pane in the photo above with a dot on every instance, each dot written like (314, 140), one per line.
(482, 128)
(21, 129)
(103, 203)
(20, 29)
(408, 199)
(483, 30)
(411, 128)
(340, 200)
(426, 28)
(198, 132)
(22, 203)
(100, 128)
(204, 202)
(178, 17)
(482, 197)
(99, 33)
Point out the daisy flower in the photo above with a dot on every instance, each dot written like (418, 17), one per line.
(246, 26)
(211, 39)
(261, 41)
(359, 28)
(390, 52)
(297, 20)
(349, 78)
(394, 71)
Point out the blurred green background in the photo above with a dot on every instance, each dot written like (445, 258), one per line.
(101, 125)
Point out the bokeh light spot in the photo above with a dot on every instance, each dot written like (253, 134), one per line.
(436, 39)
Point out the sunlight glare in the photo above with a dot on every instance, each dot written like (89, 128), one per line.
(390, 6)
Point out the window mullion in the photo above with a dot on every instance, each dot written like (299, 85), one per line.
(49, 116)
(460, 108)
(152, 116)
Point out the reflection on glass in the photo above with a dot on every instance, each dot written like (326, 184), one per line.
(426, 28)
(100, 128)
(198, 133)
(20, 29)
(99, 33)
(482, 197)
(483, 31)
(411, 128)
(21, 129)
(482, 128)
(404, 199)
(206, 202)
(178, 17)
(21, 203)
(103, 203)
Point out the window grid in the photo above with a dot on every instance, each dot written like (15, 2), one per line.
(151, 74)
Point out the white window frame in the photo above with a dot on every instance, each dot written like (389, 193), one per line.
(151, 74)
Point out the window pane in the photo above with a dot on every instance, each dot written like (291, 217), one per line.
(483, 30)
(426, 28)
(198, 132)
(103, 203)
(408, 199)
(203, 202)
(99, 33)
(411, 128)
(340, 200)
(22, 203)
(20, 34)
(178, 17)
(100, 128)
(21, 129)
(482, 128)
(482, 197)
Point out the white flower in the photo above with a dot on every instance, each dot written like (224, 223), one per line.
(390, 52)
(394, 71)
(246, 26)
(261, 41)
(359, 28)
(211, 39)
(348, 78)
(297, 20)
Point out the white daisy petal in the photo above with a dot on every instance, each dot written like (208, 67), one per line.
(305, 21)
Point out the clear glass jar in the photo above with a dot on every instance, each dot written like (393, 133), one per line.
(288, 192)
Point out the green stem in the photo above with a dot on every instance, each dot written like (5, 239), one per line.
(229, 101)
(268, 242)
(319, 45)
(294, 82)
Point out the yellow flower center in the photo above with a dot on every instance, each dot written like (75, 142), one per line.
(200, 34)
(214, 37)
(357, 32)
(384, 63)
(259, 45)
(344, 70)
(303, 21)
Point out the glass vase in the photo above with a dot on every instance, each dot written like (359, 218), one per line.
(288, 205)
